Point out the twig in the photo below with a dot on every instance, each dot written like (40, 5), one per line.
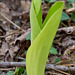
(6, 69)
(60, 71)
(20, 58)
(63, 61)
(63, 68)
(50, 73)
(70, 10)
(67, 65)
(12, 22)
(63, 24)
(23, 64)
(12, 64)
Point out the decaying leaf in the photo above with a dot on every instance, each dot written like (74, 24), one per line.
(25, 5)
(5, 10)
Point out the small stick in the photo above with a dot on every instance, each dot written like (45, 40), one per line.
(63, 68)
(61, 71)
(12, 64)
(23, 64)
(63, 61)
(67, 65)
(20, 58)
(6, 69)
(50, 73)
(71, 10)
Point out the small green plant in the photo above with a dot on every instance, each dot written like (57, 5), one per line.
(42, 36)
(53, 50)
(64, 16)
(57, 60)
(18, 71)
(73, 16)
(10, 73)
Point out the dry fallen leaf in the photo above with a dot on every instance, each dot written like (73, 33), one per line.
(71, 9)
(13, 50)
(5, 11)
(25, 5)
(67, 42)
(4, 49)
(22, 37)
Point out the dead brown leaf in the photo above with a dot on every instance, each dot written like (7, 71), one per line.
(25, 5)
(4, 49)
(22, 37)
(5, 10)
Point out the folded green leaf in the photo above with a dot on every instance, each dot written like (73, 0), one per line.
(53, 9)
(42, 39)
(35, 27)
(37, 5)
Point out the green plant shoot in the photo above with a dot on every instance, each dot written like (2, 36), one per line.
(42, 36)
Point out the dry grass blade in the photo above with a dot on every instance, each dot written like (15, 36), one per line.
(12, 22)
(63, 61)
(6, 69)
(61, 71)
(67, 65)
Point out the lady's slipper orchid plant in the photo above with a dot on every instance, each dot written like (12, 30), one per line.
(42, 36)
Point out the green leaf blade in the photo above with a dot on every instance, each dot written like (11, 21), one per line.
(52, 10)
(39, 17)
(37, 4)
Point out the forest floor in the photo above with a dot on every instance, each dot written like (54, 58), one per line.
(15, 38)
